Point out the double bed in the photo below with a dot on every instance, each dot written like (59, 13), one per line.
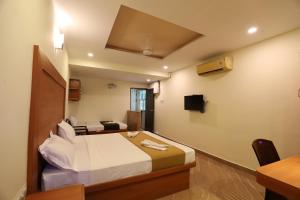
(110, 157)
(110, 165)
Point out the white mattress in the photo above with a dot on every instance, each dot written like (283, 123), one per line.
(92, 126)
(97, 126)
(104, 158)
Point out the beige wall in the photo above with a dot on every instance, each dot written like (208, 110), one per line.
(23, 24)
(100, 103)
(258, 99)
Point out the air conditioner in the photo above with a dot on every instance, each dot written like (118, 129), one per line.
(222, 64)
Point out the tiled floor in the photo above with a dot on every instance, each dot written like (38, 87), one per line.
(214, 180)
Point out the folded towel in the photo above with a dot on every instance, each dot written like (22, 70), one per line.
(151, 143)
(132, 134)
(155, 147)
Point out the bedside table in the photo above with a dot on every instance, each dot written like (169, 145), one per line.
(75, 192)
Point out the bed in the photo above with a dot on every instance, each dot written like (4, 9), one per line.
(93, 166)
(96, 127)
(47, 109)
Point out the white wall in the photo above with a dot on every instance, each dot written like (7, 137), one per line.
(257, 99)
(23, 24)
(100, 103)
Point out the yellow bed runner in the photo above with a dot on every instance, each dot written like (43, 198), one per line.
(160, 159)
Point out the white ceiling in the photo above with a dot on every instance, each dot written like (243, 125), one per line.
(224, 24)
(78, 71)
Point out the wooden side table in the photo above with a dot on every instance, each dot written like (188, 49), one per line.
(75, 192)
(133, 120)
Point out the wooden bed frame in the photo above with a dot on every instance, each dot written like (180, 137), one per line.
(47, 109)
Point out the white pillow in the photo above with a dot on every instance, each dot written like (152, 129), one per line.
(58, 152)
(51, 133)
(66, 131)
(73, 120)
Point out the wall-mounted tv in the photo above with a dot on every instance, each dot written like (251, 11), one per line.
(194, 102)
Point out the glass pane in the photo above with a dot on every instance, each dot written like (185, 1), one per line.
(137, 99)
(133, 93)
(143, 100)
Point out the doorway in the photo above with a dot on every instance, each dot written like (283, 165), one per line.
(142, 99)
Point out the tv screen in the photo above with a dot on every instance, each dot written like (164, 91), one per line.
(194, 102)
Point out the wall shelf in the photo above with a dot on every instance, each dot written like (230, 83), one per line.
(74, 89)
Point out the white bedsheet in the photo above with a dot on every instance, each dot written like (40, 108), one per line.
(97, 126)
(104, 158)
(92, 126)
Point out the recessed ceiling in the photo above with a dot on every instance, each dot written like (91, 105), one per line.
(112, 74)
(224, 24)
(137, 32)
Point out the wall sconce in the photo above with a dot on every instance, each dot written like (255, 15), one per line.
(59, 39)
(61, 20)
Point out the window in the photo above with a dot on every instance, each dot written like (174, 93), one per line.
(137, 99)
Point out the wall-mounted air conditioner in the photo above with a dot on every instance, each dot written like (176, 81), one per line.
(222, 64)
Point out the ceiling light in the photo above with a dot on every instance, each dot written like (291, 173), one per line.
(252, 30)
(90, 55)
(166, 67)
(148, 80)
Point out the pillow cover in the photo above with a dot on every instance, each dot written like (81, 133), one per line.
(73, 120)
(58, 152)
(66, 131)
(51, 133)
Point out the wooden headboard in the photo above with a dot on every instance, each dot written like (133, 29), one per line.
(47, 108)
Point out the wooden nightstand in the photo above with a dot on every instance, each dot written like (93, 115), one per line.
(68, 193)
(134, 120)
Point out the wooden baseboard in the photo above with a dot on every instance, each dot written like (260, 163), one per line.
(237, 166)
(226, 162)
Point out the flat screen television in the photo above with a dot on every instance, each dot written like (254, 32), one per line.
(194, 102)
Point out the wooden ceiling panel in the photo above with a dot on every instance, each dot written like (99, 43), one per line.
(134, 31)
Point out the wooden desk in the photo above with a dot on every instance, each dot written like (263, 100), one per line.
(282, 177)
(68, 193)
